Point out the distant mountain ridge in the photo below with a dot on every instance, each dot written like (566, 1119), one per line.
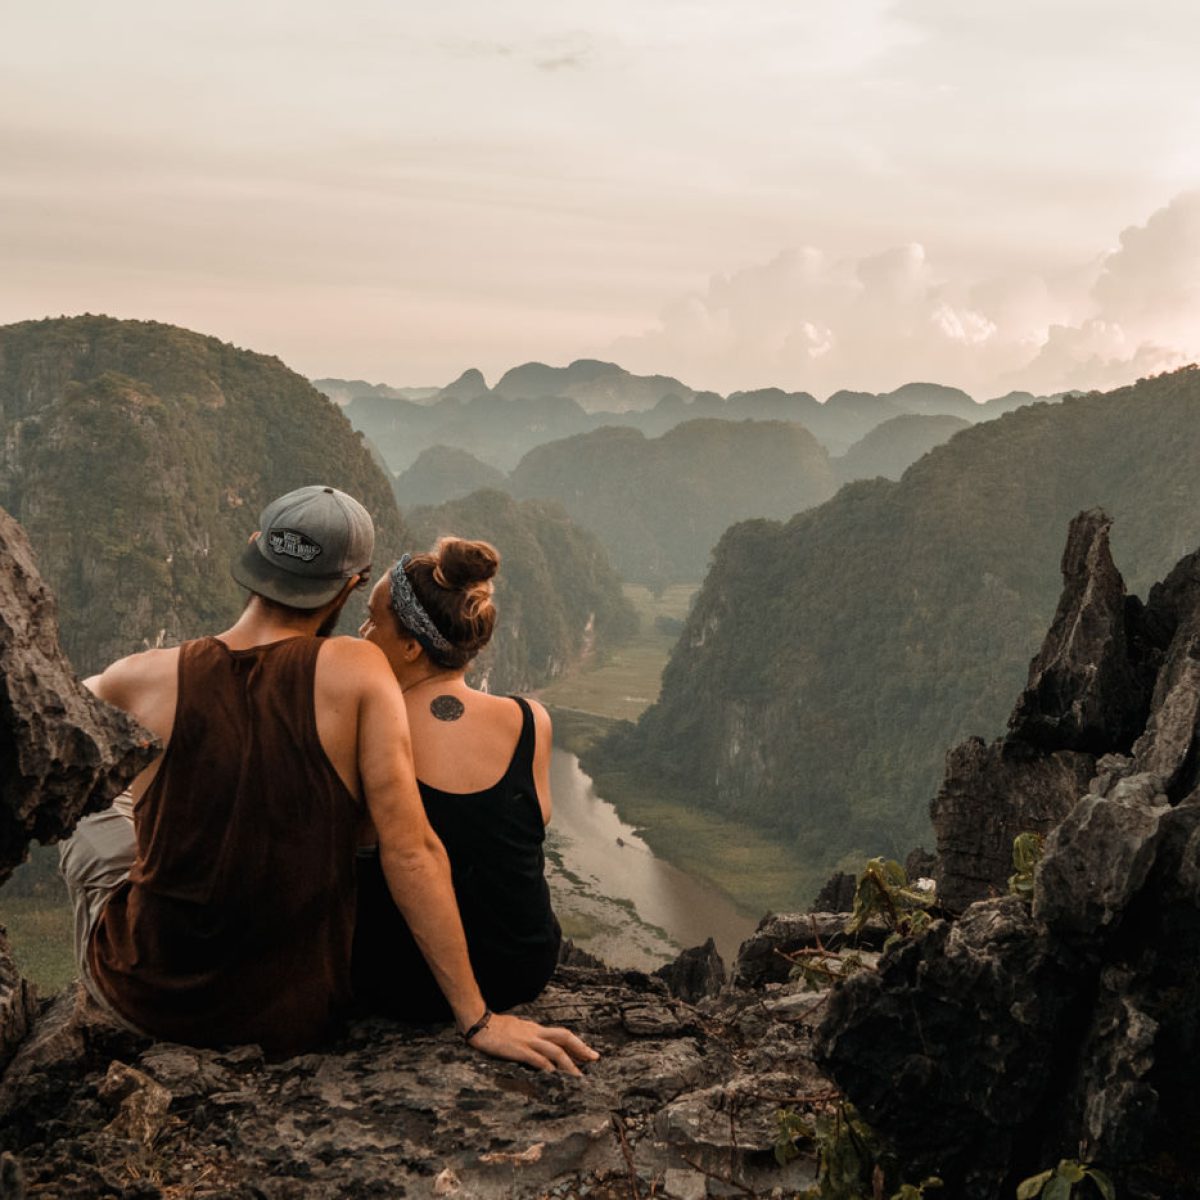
(595, 386)
(534, 403)
(842, 652)
(343, 391)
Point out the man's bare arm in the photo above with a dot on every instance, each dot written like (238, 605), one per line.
(145, 686)
(417, 871)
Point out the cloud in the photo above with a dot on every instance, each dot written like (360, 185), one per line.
(805, 320)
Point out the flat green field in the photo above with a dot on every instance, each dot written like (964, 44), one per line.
(39, 931)
(756, 872)
(626, 681)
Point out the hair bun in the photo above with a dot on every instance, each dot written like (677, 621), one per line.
(462, 564)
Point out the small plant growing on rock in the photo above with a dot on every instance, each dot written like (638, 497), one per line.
(850, 1161)
(1066, 1181)
(820, 968)
(884, 891)
(1026, 854)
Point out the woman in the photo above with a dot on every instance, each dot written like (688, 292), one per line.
(483, 767)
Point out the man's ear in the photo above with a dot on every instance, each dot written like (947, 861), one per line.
(411, 649)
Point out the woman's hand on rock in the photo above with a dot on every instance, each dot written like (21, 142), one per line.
(549, 1048)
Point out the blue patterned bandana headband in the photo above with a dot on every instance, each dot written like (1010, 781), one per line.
(410, 613)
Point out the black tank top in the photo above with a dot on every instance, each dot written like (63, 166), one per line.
(494, 839)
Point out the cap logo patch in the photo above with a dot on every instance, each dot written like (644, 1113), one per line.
(293, 544)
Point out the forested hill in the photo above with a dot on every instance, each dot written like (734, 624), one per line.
(660, 504)
(138, 457)
(891, 448)
(444, 473)
(558, 598)
(829, 662)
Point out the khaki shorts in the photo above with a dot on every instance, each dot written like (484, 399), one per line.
(95, 860)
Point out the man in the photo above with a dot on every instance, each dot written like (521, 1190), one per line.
(230, 918)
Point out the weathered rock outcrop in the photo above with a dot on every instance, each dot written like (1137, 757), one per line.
(61, 751)
(996, 1045)
(1089, 693)
(696, 973)
(683, 1100)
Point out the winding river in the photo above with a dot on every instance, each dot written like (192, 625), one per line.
(613, 896)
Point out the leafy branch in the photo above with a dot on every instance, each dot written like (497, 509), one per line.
(884, 891)
(1066, 1181)
(1026, 854)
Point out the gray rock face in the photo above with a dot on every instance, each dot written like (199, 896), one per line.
(1090, 692)
(995, 1046)
(682, 1101)
(836, 894)
(991, 794)
(697, 972)
(1086, 690)
(62, 753)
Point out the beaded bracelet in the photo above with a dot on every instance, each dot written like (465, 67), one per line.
(478, 1027)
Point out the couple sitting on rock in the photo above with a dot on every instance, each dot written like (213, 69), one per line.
(279, 859)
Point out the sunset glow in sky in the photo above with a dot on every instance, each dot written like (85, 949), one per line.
(741, 194)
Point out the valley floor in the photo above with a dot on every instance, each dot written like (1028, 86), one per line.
(758, 873)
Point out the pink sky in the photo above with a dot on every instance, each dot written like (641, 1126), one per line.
(736, 194)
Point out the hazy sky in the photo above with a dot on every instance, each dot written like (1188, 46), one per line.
(848, 194)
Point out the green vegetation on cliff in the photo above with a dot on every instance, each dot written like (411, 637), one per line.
(660, 504)
(829, 662)
(558, 598)
(137, 456)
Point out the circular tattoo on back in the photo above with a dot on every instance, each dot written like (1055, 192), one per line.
(447, 708)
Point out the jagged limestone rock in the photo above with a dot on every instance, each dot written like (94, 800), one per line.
(1089, 693)
(1097, 859)
(989, 1049)
(62, 752)
(1168, 746)
(1086, 691)
(991, 794)
(695, 973)
(836, 894)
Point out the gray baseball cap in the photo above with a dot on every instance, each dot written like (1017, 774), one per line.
(310, 542)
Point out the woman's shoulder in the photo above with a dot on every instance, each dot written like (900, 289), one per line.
(541, 717)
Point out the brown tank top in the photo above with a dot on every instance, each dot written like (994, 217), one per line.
(237, 919)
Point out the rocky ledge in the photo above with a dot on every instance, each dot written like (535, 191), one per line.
(683, 1104)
